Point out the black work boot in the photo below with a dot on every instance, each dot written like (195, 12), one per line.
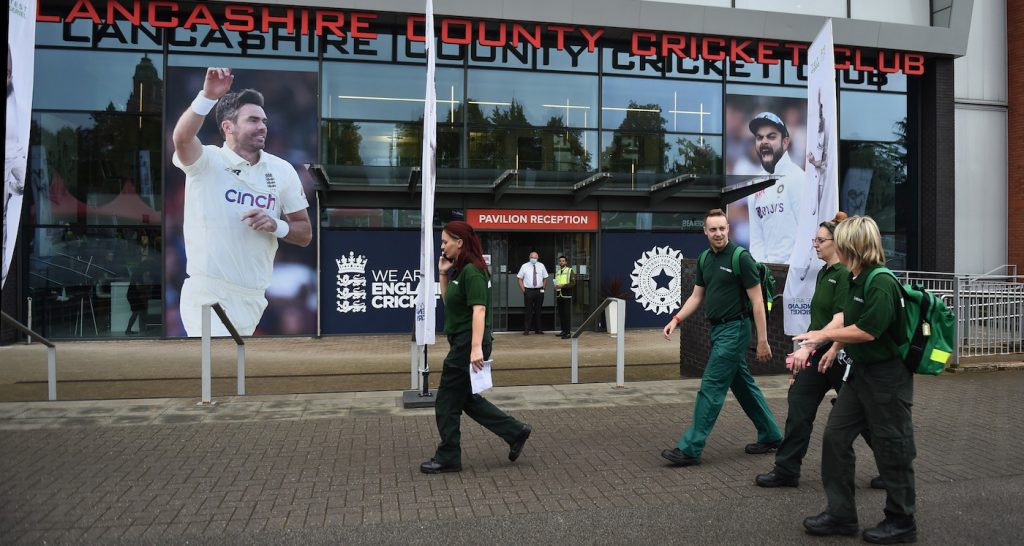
(892, 530)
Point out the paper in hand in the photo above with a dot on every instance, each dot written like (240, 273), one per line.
(481, 380)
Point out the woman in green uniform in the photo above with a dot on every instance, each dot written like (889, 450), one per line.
(466, 291)
(878, 395)
(815, 372)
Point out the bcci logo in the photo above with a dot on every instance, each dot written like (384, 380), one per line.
(351, 285)
(655, 279)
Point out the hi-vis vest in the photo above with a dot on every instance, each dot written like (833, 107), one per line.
(564, 276)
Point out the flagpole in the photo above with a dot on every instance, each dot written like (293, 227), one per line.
(426, 299)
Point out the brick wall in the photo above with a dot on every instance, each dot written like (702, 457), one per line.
(695, 342)
(1015, 126)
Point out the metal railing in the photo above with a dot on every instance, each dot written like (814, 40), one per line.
(989, 309)
(620, 341)
(207, 338)
(51, 353)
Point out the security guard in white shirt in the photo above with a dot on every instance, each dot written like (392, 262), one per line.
(773, 211)
(239, 200)
(532, 278)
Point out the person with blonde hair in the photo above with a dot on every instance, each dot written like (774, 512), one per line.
(815, 371)
(878, 394)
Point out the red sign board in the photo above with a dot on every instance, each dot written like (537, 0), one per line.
(532, 220)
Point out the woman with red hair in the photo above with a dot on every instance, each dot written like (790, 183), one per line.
(466, 290)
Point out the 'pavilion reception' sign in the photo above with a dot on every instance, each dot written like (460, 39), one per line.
(532, 220)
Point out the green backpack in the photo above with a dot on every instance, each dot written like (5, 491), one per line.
(764, 276)
(931, 327)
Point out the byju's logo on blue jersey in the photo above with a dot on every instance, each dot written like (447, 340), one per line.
(244, 198)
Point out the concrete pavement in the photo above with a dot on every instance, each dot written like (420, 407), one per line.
(342, 468)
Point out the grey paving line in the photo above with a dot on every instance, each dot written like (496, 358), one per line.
(297, 407)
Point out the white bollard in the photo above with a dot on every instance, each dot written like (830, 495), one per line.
(206, 355)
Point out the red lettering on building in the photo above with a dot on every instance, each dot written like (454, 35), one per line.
(559, 31)
(463, 37)
(705, 50)
(155, 21)
(635, 44)
(331, 20)
(240, 17)
(591, 38)
(913, 64)
(83, 9)
(674, 44)
(796, 49)
(410, 28)
(737, 51)
(359, 23)
(519, 31)
(201, 15)
(765, 50)
(888, 69)
(134, 16)
(288, 19)
(842, 58)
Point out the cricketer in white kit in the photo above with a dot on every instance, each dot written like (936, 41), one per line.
(239, 200)
(773, 210)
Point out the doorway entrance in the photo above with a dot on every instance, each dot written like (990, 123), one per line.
(510, 250)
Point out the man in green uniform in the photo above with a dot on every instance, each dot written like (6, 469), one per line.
(730, 300)
(878, 395)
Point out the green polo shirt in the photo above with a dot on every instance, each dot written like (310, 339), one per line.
(471, 287)
(725, 297)
(830, 294)
(879, 313)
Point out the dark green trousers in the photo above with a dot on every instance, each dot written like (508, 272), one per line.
(805, 395)
(877, 397)
(727, 369)
(455, 396)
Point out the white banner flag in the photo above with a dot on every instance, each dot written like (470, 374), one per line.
(820, 200)
(21, 43)
(425, 293)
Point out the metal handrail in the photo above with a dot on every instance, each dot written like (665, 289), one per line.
(207, 336)
(620, 342)
(51, 353)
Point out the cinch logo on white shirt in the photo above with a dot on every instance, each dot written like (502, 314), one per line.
(263, 201)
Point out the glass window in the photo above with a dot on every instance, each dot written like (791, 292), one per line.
(874, 182)
(388, 92)
(83, 33)
(515, 98)
(574, 57)
(416, 52)
(554, 149)
(658, 153)
(506, 56)
(363, 49)
(96, 168)
(880, 81)
(740, 71)
(872, 116)
(95, 282)
(652, 105)
(98, 80)
(370, 218)
(619, 60)
(386, 144)
(251, 63)
(649, 221)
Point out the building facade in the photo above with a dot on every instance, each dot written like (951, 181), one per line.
(596, 130)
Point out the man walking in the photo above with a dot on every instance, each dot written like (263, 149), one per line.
(731, 299)
(532, 276)
(565, 279)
